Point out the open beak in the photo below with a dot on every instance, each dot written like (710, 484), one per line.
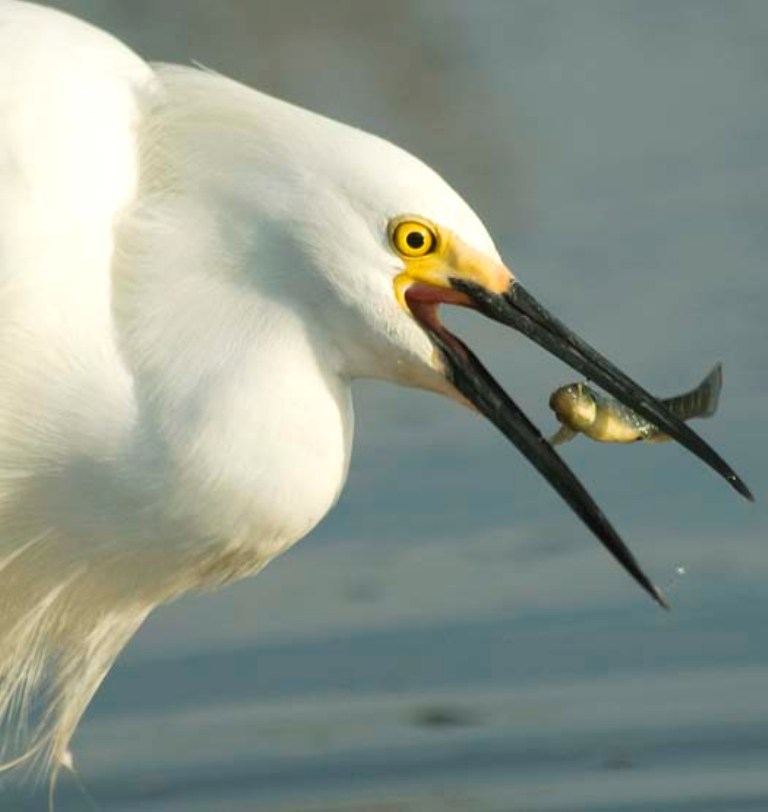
(517, 308)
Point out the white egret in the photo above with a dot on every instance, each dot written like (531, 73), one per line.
(192, 275)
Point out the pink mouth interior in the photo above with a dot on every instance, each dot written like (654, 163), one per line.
(424, 300)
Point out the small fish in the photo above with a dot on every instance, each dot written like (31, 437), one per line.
(582, 410)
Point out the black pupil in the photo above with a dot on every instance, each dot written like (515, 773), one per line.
(415, 239)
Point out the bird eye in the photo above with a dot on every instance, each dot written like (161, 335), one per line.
(413, 239)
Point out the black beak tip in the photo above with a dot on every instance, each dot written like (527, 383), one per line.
(741, 487)
(661, 599)
(645, 582)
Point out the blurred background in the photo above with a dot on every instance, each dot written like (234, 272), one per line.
(451, 638)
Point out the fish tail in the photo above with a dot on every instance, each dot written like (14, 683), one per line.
(710, 388)
(701, 401)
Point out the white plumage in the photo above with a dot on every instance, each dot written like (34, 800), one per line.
(191, 275)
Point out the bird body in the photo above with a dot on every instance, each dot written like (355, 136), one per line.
(175, 407)
(192, 275)
(138, 459)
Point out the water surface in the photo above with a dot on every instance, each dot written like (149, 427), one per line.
(451, 638)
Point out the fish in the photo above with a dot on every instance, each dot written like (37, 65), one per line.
(582, 410)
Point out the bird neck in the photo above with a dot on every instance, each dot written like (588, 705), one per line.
(243, 427)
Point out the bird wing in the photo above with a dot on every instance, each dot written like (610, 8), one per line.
(68, 165)
(69, 101)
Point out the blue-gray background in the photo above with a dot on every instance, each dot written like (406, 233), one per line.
(451, 637)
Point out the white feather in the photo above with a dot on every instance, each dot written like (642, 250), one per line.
(192, 273)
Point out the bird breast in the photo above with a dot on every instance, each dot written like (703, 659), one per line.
(243, 434)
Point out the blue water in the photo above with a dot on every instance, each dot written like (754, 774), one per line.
(451, 638)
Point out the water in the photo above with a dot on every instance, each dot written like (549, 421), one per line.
(451, 638)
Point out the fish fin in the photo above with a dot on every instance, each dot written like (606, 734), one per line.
(701, 401)
(656, 437)
(562, 435)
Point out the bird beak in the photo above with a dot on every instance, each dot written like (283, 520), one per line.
(515, 307)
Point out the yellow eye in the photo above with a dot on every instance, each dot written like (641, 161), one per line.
(413, 239)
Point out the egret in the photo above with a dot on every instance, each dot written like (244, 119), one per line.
(193, 273)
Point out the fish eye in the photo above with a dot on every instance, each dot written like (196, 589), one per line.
(412, 238)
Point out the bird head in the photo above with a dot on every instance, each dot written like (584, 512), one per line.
(368, 243)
